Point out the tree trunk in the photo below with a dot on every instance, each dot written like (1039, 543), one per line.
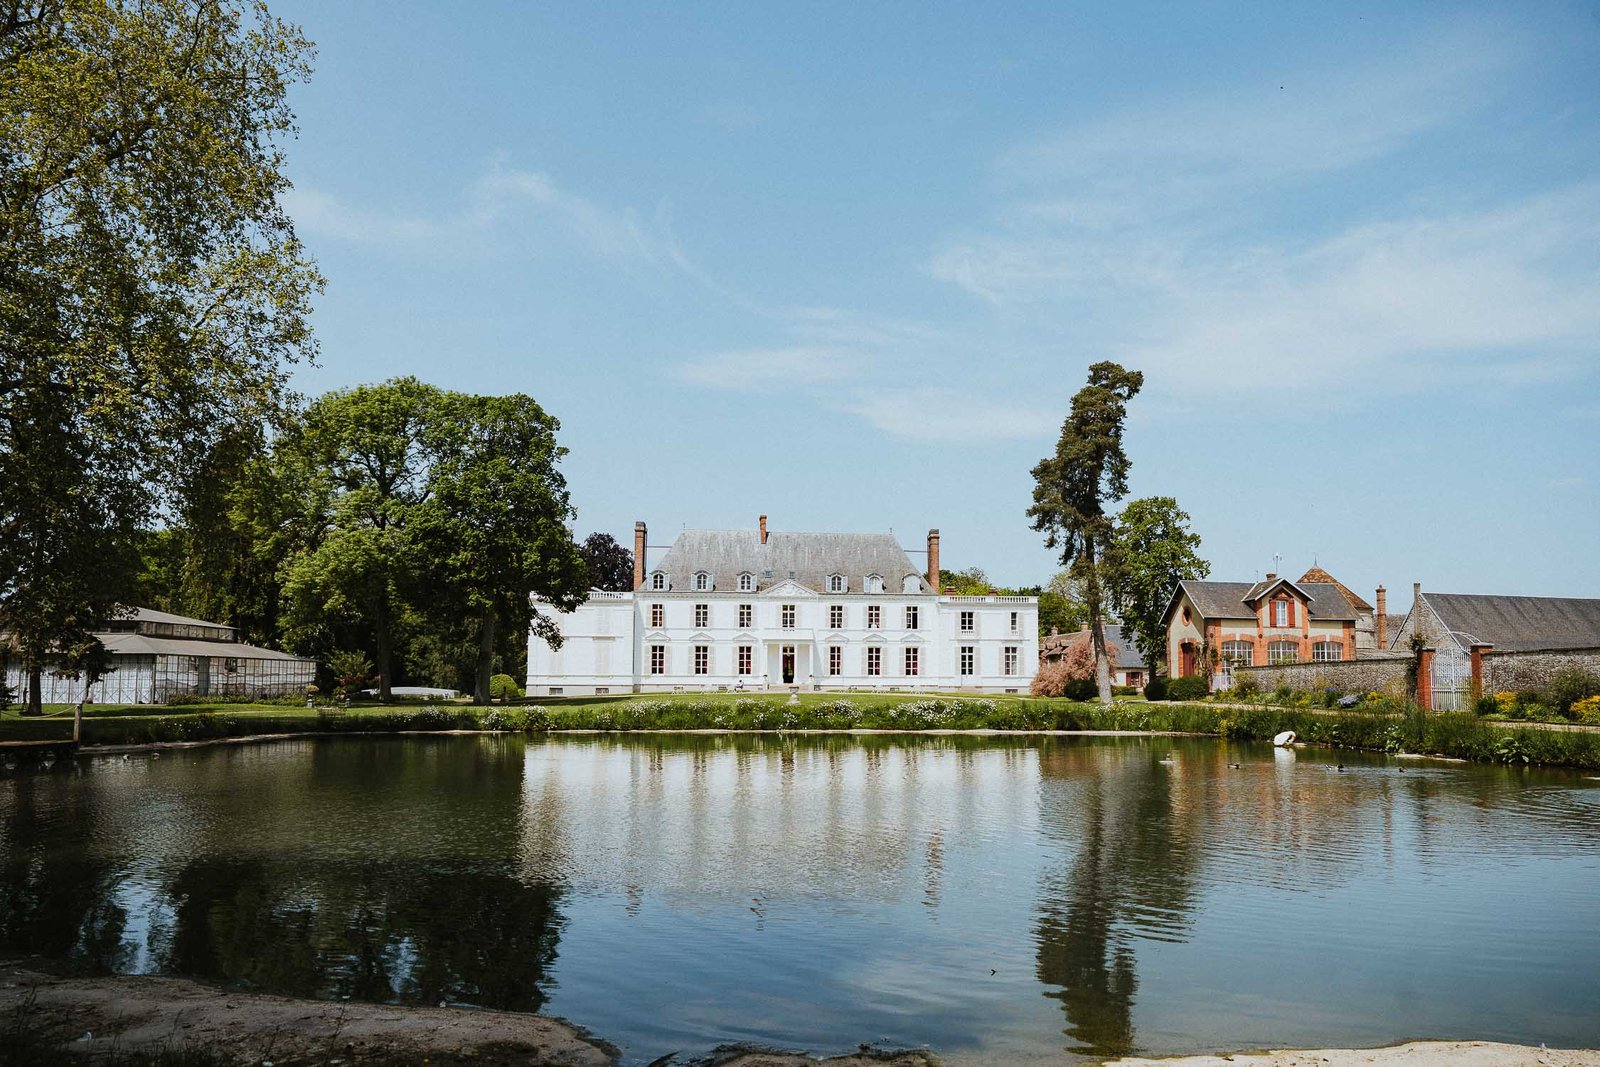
(1097, 624)
(383, 650)
(480, 693)
(35, 705)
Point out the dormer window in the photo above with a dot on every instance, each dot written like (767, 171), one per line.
(702, 581)
(747, 582)
(658, 580)
(874, 583)
(835, 583)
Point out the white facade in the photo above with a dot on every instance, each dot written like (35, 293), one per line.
(733, 628)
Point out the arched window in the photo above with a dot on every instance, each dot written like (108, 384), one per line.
(747, 582)
(702, 581)
(1327, 651)
(874, 583)
(1239, 653)
(658, 580)
(835, 583)
(1283, 652)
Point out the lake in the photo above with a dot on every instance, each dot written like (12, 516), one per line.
(994, 899)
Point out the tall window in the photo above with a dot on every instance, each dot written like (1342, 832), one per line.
(658, 615)
(1283, 652)
(835, 583)
(1009, 661)
(874, 660)
(747, 612)
(913, 660)
(1239, 653)
(1327, 651)
(702, 659)
(702, 615)
(836, 617)
(745, 655)
(835, 659)
(747, 582)
(1280, 613)
(874, 617)
(658, 659)
(968, 622)
(1016, 622)
(702, 581)
(911, 617)
(786, 616)
(968, 658)
(658, 580)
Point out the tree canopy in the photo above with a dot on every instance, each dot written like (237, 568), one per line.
(609, 564)
(152, 291)
(1151, 550)
(1072, 487)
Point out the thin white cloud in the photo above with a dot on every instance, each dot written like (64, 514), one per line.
(530, 205)
(951, 415)
(1148, 235)
(798, 368)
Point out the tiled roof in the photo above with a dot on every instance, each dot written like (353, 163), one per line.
(809, 558)
(1229, 600)
(1322, 577)
(1518, 623)
(1127, 657)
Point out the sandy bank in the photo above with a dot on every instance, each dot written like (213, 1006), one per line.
(1411, 1054)
(96, 1016)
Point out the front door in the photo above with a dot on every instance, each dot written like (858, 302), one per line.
(788, 664)
(1186, 660)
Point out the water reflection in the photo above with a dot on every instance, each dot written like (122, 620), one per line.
(1006, 899)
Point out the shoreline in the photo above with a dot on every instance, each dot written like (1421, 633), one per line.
(116, 1014)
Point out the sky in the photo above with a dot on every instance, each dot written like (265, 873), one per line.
(845, 265)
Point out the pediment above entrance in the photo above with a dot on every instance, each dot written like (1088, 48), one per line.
(788, 589)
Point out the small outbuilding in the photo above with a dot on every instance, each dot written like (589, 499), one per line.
(156, 655)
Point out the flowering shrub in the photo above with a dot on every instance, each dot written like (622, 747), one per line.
(1587, 709)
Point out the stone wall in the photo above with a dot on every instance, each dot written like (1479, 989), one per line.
(1385, 674)
(1518, 672)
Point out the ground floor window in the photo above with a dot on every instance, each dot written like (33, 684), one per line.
(1283, 652)
(1239, 653)
(874, 660)
(744, 659)
(835, 659)
(913, 661)
(658, 659)
(1327, 651)
(1010, 659)
(702, 659)
(967, 657)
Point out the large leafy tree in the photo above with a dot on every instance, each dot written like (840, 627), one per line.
(1061, 607)
(494, 526)
(363, 459)
(1072, 487)
(1151, 550)
(610, 565)
(152, 291)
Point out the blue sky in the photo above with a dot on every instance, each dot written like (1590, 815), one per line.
(846, 265)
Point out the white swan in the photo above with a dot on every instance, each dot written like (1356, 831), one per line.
(1285, 738)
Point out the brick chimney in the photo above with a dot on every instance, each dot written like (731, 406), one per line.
(639, 537)
(933, 559)
(1382, 619)
(763, 529)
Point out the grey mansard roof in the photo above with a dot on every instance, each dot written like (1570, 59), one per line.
(808, 558)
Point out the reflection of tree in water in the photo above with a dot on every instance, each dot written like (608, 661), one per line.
(378, 931)
(56, 901)
(1131, 874)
